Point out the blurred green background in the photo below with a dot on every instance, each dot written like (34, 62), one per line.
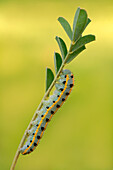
(80, 135)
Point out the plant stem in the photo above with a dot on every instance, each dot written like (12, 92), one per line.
(35, 114)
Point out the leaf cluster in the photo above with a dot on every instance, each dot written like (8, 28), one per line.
(78, 42)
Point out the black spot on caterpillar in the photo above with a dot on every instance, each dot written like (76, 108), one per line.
(47, 119)
(57, 105)
(38, 137)
(50, 106)
(52, 112)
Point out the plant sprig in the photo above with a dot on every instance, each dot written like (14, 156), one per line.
(77, 45)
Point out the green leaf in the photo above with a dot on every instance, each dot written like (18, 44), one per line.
(75, 53)
(66, 26)
(49, 77)
(62, 47)
(82, 41)
(80, 21)
(57, 61)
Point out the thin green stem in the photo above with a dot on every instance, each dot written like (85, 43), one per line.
(35, 114)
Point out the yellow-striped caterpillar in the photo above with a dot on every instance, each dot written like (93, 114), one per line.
(64, 87)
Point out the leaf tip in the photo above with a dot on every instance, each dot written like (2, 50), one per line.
(56, 38)
(59, 18)
(94, 37)
(89, 20)
(78, 8)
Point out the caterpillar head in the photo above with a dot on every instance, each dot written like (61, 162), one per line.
(66, 71)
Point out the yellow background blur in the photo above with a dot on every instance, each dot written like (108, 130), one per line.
(80, 135)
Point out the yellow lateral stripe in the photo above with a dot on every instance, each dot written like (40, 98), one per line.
(67, 78)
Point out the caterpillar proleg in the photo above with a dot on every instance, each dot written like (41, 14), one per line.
(64, 87)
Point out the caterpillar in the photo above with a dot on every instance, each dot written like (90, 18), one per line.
(64, 85)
